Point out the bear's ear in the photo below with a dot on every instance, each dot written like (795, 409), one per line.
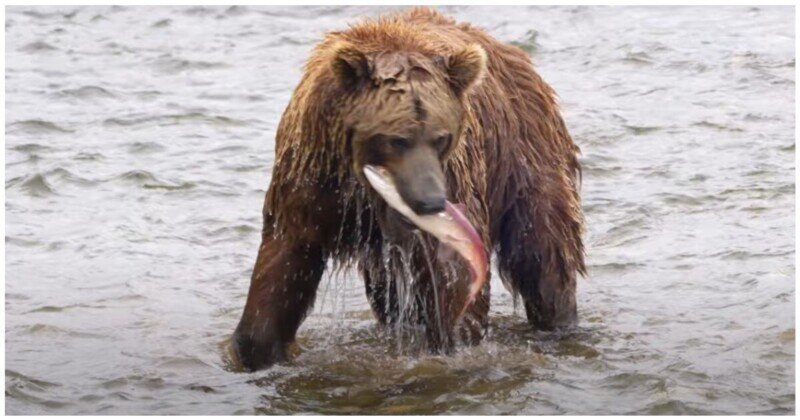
(465, 68)
(350, 65)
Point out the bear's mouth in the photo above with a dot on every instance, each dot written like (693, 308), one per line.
(451, 227)
(407, 223)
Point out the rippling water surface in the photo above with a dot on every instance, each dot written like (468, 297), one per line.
(139, 144)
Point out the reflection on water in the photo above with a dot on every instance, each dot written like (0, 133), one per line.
(139, 144)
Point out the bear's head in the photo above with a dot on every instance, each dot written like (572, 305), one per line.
(405, 115)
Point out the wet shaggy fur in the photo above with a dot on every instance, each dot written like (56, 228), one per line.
(512, 164)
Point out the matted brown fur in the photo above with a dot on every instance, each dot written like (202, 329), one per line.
(515, 124)
(514, 165)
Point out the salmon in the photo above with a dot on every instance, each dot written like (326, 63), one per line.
(451, 227)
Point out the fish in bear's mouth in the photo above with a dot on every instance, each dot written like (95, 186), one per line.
(451, 227)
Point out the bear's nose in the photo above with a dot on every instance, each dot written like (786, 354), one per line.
(428, 205)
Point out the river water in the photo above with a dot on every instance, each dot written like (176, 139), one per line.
(139, 145)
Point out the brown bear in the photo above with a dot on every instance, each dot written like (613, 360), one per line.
(447, 114)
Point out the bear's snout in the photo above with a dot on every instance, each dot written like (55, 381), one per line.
(420, 182)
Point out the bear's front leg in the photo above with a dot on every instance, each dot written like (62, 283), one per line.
(540, 257)
(282, 290)
(548, 294)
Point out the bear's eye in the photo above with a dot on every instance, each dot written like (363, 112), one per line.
(442, 143)
(399, 144)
